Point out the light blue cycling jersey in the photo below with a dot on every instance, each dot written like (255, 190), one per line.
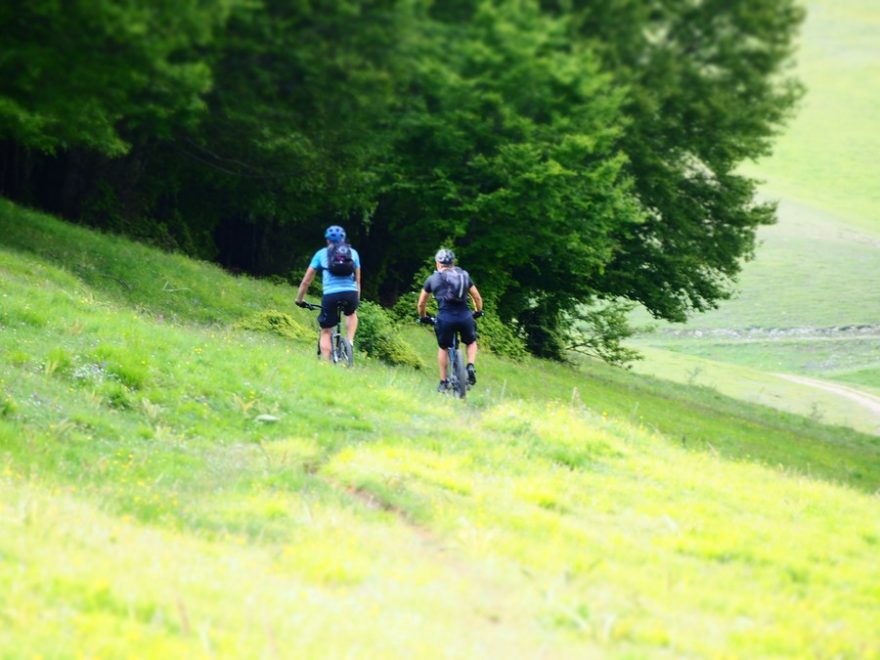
(335, 283)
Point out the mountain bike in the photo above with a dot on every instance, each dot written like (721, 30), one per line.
(456, 372)
(341, 351)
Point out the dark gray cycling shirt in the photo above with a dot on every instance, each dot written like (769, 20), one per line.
(437, 285)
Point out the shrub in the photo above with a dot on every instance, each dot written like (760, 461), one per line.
(378, 337)
(600, 330)
(122, 364)
(57, 361)
(116, 395)
(8, 406)
(276, 322)
(404, 310)
(500, 338)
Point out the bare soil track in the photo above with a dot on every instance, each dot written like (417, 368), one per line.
(869, 401)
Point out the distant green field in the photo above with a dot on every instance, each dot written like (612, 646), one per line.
(868, 377)
(811, 271)
(812, 274)
(827, 157)
(848, 358)
(819, 267)
(146, 510)
(760, 383)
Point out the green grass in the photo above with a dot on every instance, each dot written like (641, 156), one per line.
(145, 510)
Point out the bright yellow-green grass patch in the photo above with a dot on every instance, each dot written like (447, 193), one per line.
(644, 545)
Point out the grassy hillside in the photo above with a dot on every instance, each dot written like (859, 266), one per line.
(145, 509)
(817, 269)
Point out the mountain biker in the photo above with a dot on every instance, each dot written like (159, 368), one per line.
(451, 286)
(340, 267)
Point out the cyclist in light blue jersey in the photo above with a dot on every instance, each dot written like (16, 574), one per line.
(340, 268)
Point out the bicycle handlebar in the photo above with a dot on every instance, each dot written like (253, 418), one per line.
(308, 305)
(431, 320)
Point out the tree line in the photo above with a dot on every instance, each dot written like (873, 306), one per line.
(579, 155)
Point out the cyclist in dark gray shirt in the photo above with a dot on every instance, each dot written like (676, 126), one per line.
(451, 287)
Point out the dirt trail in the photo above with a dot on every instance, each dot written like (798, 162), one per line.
(869, 401)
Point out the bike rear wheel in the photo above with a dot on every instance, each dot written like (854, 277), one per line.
(343, 352)
(458, 374)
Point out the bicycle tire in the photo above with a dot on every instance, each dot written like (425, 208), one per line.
(344, 354)
(459, 380)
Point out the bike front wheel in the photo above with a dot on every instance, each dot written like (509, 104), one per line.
(343, 352)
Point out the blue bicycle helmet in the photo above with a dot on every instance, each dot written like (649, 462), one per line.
(335, 234)
(445, 256)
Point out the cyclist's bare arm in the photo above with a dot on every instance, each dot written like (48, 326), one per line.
(423, 303)
(304, 285)
(478, 299)
(357, 279)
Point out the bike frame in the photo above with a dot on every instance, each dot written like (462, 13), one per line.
(456, 375)
(337, 353)
(454, 369)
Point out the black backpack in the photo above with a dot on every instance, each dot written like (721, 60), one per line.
(455, 287)
(340, 260)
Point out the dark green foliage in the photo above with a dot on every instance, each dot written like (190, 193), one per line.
(295, 130)
(572, 151)
(508, 148)
(706, 91)
(378, 337)
(95, 74)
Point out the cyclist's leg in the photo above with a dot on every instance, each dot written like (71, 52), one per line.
(471, 365)
(472, 353)
(326, 334)
(443, 362)
(351, 325)
(469, 338)
(328, 319)
(350, 302)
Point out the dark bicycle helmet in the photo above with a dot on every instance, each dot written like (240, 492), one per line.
(445, 256)
(335, 234)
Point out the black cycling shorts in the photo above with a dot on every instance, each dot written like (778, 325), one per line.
(446, 327)
(330, 303)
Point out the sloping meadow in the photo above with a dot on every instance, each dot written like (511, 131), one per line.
(168, 487)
